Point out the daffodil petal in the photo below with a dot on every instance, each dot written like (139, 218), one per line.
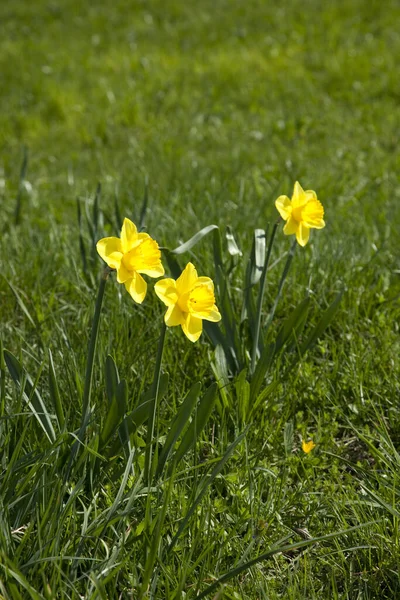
(302, 234)
(284, 207)
(137, 288)
(166, 291)
(110, 250)
(299, 196)
(129, 235)
(205, 281)
(145, 257)
(157, 271)
(192, 327)
(187, 279)
(291, 227)
(123, 274)
(214, 315)
(174, 316)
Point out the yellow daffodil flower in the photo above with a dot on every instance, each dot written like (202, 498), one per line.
(190, 299)
(307, 446)
(302, 213)
(130, 255)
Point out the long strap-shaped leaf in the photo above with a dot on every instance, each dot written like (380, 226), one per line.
(198, 423)
(178, 424)
(193, 240)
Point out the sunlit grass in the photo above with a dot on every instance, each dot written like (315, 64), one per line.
(220, 107)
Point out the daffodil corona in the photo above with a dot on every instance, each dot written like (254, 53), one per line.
(190, 299)
(302, 213)
(132, 254)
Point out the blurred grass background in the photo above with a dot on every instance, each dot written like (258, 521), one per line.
(221, 106)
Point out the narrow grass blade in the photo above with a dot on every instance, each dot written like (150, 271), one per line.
(82, 247)
(293, 325)
(193, 240)
(287, 548)
(55, 393)
(20, 302)
(322, 324)
(155, 388)
(262, 368)
(198, 423)
(145, 203)
(30, 394)
(181, 419)
(11, 571)
(22, 175)
(204, 487)
(2, 380)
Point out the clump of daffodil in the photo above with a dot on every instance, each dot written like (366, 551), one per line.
(307, 446)
(302, 213)
(132, 254)
(190, 299)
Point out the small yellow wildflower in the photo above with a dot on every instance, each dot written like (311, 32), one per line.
(190, 299)
(307, 446)
(302, 213)
(130, 255)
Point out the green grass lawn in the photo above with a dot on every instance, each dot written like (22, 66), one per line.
(204, 112)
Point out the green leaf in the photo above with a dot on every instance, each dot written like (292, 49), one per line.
(198, 423)
(322, 324)
(293, 325)
(242, 387)
(55, 393)
(194, 240)
(257, 257)
(178, 424)
(233, 248)
(30, 394)
(145, 203)
(173, 264)
(112, 379)
(82, 247)
(115, 413)
(263, 365)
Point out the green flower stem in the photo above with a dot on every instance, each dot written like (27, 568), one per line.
(282, 281)
(2, 380)
(92, 345)
(260, 299)
(153, 407)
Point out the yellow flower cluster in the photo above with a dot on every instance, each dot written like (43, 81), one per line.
(190, 299)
